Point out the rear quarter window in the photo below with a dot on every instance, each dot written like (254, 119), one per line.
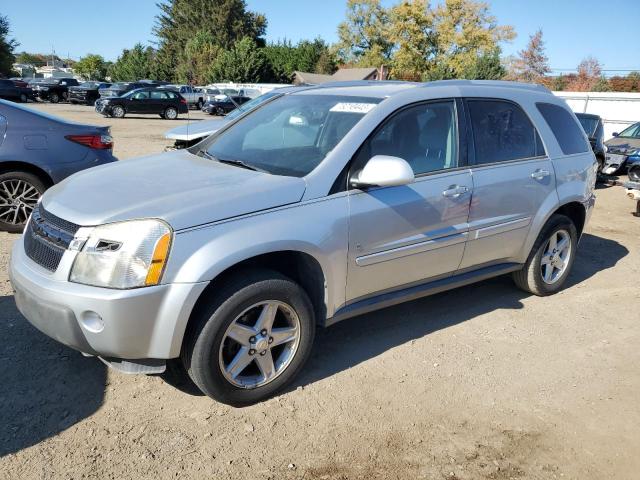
(567, 131)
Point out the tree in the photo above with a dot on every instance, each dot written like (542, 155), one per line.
(411, 29)
(532, 64)
(7, 46)
(199, 54)
(486, 67)
(589, 73)
(307, 56)
(243, 63)
(227, 21)
(35, 59)
(91, 67)
(134, 64)
(363, 38)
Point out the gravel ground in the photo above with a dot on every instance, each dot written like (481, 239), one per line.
(481, 382)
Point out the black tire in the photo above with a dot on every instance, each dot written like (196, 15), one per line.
(54, 98)
(220, 111)
(170, 113)
(634, 173)
(600, 164)
(199, 104)
(24, 98)
(117, 111)
(206, 334)
(29, 178)
(530, 277)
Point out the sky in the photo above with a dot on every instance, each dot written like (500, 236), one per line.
(573, 29)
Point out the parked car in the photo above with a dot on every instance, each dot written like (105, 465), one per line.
(622, 150)
(10, 91)
(188, 135)
(120, 88)
(593, 126)
(53, 89)
(223, 104)
(86, 93)
(39, 150)
(193, 95)
(313, 208)
(166, 103)
(19, 82)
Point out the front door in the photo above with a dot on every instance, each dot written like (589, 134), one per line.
(405, 235)
(139, 102)
(512, 178)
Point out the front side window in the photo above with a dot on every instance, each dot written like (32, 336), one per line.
(140, 95)
(631, 132)
(292, 134)
(569, 135)
(425, 136)
(502, 132)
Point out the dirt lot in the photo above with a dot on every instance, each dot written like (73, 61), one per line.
(482, 382)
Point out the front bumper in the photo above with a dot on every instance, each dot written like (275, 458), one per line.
(143, 323)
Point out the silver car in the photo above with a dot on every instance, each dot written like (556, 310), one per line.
(313, 208)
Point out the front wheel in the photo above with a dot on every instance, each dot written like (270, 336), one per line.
(19, 194)
(54, 97)
(251, 340)
(170, 113)
(24, 98)
(117, 111)
(199, 105)
(551, 258)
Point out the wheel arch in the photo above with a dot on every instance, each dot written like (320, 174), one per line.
(16, 165)
(576, 212)
(301, 267)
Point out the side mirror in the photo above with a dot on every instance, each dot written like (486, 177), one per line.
(615, 134)
(384, 171)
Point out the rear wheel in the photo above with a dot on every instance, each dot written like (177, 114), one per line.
(54, 97)
(251, 340)
(199, 104)
(551, 258)
(24, 98)
(170, 113)
(117, 111)
(19, 194)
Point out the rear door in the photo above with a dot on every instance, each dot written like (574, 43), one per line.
(512, 178)
(399, 236)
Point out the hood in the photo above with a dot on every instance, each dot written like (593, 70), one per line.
(196, 130)
(80, 88)
(622, 144)
(178, 187)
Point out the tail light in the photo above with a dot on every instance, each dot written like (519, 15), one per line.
(183, 100)
(98, 142)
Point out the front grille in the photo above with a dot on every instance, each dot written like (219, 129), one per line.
(47, 237)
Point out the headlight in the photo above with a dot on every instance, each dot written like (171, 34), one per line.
(123, 255)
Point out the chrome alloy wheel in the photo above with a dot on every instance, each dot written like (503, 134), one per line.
(259, 344)
(18, 198)
(556, 256)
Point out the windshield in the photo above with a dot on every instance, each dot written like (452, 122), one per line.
(292, 134)
(632, 132)
(120, 85)
(90, 84)
(589, 124)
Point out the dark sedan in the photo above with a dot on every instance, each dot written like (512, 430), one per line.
(10, 91)
(86, 93)
(38, 150)
(223, 104)
(593, 126)
(166, 103)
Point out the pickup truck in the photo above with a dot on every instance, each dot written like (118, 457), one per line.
(194, 95)
(53, 89)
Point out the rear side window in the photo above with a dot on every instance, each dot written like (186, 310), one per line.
(502, 132)
(158, 95)
(567, 131)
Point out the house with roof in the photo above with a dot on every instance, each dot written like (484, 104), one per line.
(342, 75)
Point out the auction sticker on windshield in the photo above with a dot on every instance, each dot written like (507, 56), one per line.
(353, 107)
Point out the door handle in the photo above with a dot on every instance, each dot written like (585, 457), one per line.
(540, 174)
(455, 191)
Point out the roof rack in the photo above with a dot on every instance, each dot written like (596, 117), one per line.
(489, 83)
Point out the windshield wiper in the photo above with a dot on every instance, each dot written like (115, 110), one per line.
(241, 164)
(236, 163)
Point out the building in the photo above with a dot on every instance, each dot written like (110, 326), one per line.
(342, 75)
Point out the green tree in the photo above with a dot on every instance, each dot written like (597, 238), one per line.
(243, 63)
(363, 36)
(486, 67)
(91, 67)
(307, 56)
(7, 46)
(199, 54)
(35, 59)
(532, 63)
(134, 64)
(225, 20)
(411, 29)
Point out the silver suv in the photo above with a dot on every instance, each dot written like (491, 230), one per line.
(315, 207)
